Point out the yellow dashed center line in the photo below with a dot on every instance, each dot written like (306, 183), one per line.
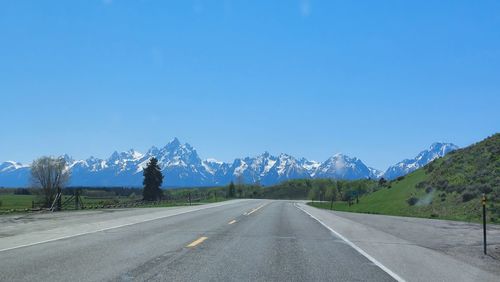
(232, 221)
(197, 242)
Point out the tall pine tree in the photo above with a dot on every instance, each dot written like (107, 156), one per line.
(153, 178)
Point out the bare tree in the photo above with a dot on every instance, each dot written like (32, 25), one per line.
(51, 175)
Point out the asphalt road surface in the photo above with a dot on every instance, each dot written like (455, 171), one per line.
(254, 240)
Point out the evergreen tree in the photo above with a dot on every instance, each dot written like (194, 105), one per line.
(231, 191)
(153, 179)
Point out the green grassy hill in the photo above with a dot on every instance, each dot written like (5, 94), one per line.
(447, 188)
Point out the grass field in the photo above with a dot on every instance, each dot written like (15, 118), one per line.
(22, 202)
(393, 201)
(19, 203)
(11, 201)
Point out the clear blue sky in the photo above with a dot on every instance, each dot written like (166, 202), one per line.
(379, 80)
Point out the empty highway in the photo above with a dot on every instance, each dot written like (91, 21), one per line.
(254, 240)
(241, 240)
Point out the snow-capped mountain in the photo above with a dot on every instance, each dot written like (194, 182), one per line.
(375, 173)
(286, 167)
(342, 167)
(265, 169)
(180, 164)
(182, 167)
(436, 150)
(13, 174)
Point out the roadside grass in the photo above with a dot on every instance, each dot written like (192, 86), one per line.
(12, 203)
(393, 201)
(21, 202)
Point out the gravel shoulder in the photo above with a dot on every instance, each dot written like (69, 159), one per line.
(419, 249)
(460, 240)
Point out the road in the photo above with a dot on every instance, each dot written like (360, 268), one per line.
(247, 240)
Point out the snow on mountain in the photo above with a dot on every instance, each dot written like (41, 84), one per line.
(251, 170)
(284, 168)
(219, 171)
(436, 150)
(124, 161)
(14, 174)
(182, 167)
(342, 167)
(11, 166)
(309, 165)
(91, 164)
(212, 165)
(375, 173)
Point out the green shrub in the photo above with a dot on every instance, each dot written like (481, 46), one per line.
(412, 201)
(467, 196)
(429, 167)
(421, 185)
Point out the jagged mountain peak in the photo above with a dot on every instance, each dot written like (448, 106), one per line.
(11, 165)
(131, 154)
(440, 145)
(266, 154)
(212, 160)
(439, 149)
(152, 152)
(340, 160)
(435, 150)
(174, 144)
(341, 166)
(135, 154)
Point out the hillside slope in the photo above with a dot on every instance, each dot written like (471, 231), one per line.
(448, 188)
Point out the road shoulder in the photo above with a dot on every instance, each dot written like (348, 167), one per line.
(405, 258)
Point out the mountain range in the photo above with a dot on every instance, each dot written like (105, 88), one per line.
(406, 166)
(182, 167)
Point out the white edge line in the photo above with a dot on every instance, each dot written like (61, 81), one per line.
(108, 228)
(358, 249)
